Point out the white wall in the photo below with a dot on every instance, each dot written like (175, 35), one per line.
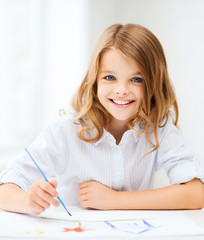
(65, 42)
(53, 40)
(14, 75)
(42, 61)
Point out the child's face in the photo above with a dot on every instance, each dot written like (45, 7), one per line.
(120, 85)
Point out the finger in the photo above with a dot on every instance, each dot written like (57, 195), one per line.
(47, 187)
(36, 197)
(40, 201)
(53, 183)
(85, 184)
(83, 197)
(82, 191)
(85, 204)
(37, 209)
(82, 185)
(33, 206)
(45, 196)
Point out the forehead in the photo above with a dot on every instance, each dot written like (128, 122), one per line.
(115, 60)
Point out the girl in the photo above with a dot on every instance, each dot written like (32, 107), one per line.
(123, 132)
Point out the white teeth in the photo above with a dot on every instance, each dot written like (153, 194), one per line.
(120, 102)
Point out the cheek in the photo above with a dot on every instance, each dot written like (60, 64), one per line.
(102, 91)
(140, 96)
(139, 93)
(99, 92)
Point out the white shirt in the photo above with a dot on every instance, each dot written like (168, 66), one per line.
(61, 154)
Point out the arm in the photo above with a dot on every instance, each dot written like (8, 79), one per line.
(12, 198)
(40, 196)
(189, 195)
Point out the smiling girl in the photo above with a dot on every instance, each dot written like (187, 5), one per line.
(120, 90)
(123, 131)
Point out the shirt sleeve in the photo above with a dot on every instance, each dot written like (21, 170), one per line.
(178, 162)
(46, 150)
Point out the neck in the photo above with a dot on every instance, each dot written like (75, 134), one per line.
(117, 129)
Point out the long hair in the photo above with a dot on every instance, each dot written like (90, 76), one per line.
(140, 45)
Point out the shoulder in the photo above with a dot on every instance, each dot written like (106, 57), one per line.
(168, 129)
(66, 121)
(59, 127)
(169, 135)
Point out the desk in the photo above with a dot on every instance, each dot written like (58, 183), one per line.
(196, 216)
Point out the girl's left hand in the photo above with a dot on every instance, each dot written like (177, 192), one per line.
(93, 194)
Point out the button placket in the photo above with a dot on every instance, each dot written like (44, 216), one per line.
(118, 167)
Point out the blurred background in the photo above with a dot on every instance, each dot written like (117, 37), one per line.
(45, 46)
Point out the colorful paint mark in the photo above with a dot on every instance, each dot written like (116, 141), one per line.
(78, 229)
(138, 227)
(40, 232)
(133, 226)
(37, 230)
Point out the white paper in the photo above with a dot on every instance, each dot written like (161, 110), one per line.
(98, 223)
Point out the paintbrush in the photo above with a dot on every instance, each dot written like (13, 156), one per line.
(46, 179)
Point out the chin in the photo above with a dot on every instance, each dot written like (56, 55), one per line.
(119, 118)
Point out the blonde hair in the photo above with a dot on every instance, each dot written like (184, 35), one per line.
(139, 44)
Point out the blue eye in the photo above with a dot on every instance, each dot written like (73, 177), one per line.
(110, 78)
(137, 80)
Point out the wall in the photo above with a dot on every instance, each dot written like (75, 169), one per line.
(65, 42)
(14, 75)
(42, 61)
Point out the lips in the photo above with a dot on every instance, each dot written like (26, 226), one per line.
(121, 102)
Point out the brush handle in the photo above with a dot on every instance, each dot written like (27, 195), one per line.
(42, 173)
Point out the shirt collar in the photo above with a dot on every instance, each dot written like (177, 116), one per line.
(131, 132)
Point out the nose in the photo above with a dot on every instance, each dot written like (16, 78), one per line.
(121, 90)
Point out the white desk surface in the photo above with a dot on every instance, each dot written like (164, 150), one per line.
(196, 215)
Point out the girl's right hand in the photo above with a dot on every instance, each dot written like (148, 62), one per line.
(41, 195)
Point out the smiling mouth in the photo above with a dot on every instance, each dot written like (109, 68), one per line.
(122, 102)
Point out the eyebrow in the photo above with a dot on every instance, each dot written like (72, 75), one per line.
(111, 72)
